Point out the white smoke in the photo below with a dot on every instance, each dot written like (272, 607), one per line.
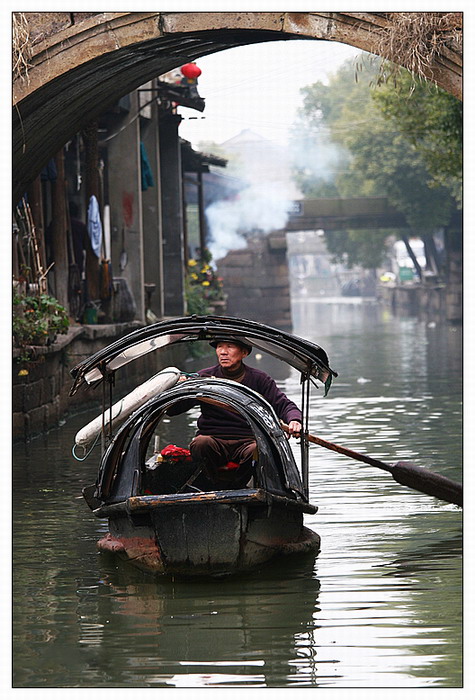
(315, 155)
(267, 171)
(259, 209)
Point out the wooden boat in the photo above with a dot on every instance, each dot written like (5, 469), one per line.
(162, 516)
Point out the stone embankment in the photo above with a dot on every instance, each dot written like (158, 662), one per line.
(41, 387)
(438, 300)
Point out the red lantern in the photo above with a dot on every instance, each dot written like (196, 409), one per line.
(191, 71)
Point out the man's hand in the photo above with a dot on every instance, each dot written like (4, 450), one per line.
(294, 428)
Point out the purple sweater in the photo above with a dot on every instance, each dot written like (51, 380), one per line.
(228, 425)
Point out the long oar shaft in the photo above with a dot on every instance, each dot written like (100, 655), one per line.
(404, 473)
(350, 453)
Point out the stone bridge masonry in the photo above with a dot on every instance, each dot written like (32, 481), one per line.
(257, 281)
(79, 63)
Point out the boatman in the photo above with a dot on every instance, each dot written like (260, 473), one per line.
(224, 443)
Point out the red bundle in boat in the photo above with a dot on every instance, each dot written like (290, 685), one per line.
(229, 465)
(176, 454)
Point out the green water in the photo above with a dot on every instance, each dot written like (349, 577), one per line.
(380, 606)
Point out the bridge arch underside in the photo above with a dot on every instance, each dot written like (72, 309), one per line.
(83, 63)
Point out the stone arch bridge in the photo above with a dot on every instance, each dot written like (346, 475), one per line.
(77, 64)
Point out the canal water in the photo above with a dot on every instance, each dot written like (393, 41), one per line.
(381, 604)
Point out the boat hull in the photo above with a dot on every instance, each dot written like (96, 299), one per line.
(207, 534)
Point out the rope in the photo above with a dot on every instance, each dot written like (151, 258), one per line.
(86, 454)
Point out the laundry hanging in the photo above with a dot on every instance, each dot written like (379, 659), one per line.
(94, 225)
(145, 169)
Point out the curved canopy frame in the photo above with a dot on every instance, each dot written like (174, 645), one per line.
(306, 357)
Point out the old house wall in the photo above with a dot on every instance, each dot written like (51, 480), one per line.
(126, 207)
(172, 215)
(152, 213)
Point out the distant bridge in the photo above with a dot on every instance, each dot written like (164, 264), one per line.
(336, 214)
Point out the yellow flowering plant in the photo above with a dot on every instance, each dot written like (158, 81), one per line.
(203, 285)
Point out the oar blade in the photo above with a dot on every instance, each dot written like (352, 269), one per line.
(427, 482)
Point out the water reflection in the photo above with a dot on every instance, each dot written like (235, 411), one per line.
(379, 607)
(227, 630)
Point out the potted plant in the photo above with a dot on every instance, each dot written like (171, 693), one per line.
(37, 320)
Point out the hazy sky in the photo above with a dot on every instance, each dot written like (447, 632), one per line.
(257, 87)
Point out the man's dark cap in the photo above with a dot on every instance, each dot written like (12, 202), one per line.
(237, 340)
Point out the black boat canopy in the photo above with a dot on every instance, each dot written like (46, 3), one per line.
(306, 357)
(277, 471)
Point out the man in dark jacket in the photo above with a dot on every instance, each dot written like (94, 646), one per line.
(224, 443)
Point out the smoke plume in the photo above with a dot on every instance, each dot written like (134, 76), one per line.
(262, 205)
(255, 210)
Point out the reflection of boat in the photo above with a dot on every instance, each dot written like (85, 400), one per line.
(163, 516)
(256, 627)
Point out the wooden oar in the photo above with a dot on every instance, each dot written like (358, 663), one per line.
(404, 473)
